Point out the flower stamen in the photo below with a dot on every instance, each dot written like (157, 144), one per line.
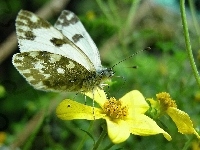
(165, 100)
(114, 109)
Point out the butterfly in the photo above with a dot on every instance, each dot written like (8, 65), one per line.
(62, 57)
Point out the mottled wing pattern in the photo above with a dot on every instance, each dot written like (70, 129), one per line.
(36, 34)
(69, 24)
(51, 72)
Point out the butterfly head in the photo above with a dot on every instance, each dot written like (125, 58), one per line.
(106, 73)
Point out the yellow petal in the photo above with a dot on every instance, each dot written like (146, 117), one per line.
(182, 121)
(144, 126)
(118, 130)
(98, 95)
(135, 101)
(69, 110)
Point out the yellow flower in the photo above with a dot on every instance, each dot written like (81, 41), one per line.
(164, 104)
(123, 116)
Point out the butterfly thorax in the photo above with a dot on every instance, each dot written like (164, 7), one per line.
(97, 79)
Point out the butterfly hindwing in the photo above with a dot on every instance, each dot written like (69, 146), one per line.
(52, 72)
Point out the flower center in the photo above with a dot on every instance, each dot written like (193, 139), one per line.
(114, 109)
(165, 100)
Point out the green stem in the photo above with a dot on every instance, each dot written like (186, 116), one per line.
(194, 18)
(114, 12)
(187, 41)
(85, 136)
(109, 146)
(128, 25)
(103, 134)
(187, 144)
(105, 10)
(131, 16)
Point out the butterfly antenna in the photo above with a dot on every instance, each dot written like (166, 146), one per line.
(124, 80)
(75, 95)
(146, 49)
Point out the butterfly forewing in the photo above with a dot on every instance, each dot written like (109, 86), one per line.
(69, 24)
(36, 34)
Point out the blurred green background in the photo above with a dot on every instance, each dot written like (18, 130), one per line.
(119, 29)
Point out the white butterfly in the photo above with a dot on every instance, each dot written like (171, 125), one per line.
(59, 58)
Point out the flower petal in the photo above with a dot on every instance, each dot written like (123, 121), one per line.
(118, 130)
(135, 102)
(143, 125)
(69, 110)
(182, 121)
(99, 96)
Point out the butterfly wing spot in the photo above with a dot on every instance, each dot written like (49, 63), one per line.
(26, 22)
(60, 70)
(67, 18)
(55, 58)
(29, 19)
(76, 37)
(26, 34)
(39, 66)
(70, 65)
(29, 35)
(58, 42)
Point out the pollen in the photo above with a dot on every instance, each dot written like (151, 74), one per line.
(114, 109)
(165, 100)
